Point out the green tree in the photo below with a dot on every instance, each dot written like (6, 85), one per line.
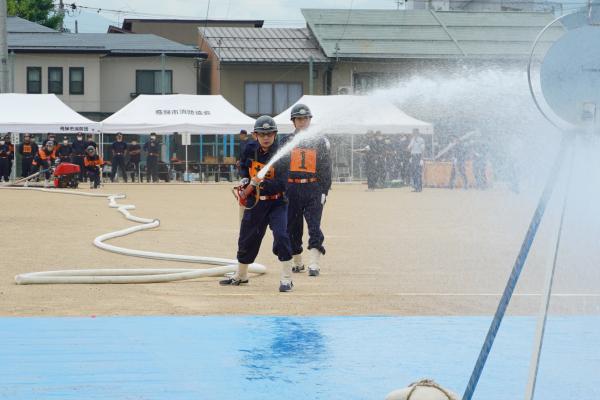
(39, 11)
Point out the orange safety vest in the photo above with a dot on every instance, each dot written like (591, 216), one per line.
(92, 163)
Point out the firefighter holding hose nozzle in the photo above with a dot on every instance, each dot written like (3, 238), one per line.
(44, 160)
(266, 205)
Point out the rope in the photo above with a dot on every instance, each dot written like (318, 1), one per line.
(428, 383)
(517, 269)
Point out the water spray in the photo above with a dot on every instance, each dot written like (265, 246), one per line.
(570, 94)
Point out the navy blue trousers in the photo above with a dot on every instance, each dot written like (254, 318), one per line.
(305, 203)
(272, 213)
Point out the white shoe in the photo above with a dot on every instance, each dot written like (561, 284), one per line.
(313, 265)
(297, 264)
(285, 283)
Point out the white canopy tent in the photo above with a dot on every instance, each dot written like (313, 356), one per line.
(41, 113)
(355, 115)
(183, 113)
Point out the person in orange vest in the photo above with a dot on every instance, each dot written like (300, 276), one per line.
(28, 149)
(44, 159)
(309, 182)
(266, 206)
(93, 166)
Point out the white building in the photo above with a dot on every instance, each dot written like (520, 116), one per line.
(97, 73)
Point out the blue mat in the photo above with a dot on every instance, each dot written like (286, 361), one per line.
(285, 357)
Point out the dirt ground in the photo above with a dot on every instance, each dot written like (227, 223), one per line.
(389, 252)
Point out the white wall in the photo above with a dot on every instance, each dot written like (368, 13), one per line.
(118, 78)
(88, 102)
(108, 81)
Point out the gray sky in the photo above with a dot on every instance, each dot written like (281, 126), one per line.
(276, 13)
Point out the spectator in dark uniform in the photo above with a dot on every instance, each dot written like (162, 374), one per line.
(28, 149)
(458, 155)
(50, 137)
(134, 150)
(416, 148)
(90, 142)
(78, 154)
(64, 151)
(152, 148)
(11, 147)
(5, 157)
(119, 151)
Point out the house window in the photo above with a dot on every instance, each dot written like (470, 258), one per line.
(367, 81)
(34, 80)
(149, 82)
(76, 80)
(55, 80)
(270, 98)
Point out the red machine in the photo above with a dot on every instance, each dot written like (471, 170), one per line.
(66, 175)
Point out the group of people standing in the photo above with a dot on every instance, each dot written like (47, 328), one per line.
(124, 156)
(394, 158)
(292, 190)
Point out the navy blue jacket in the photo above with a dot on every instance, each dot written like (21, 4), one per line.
(311, 159)
(252, 161)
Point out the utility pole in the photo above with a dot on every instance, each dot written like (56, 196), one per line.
(61, 12)
(3, 48)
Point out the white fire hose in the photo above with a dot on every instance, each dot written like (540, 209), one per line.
(153, 275)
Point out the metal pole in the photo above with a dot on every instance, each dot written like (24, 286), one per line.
(163, 60)
(543, 316)
(311, 84)
(12, 57)
(352, 158)
(516, 271)
(3, 48)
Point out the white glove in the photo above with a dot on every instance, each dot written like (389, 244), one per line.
(244, 181)
(323, 198)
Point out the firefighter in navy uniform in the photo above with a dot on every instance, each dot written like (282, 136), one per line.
(269, 209)
(309, 182)
(93, 166)
(64, 151)
(5, 160)
(78, 154)
(44, 159)
(119, 150)
(11, 147)
(27, 150)
(152, 147)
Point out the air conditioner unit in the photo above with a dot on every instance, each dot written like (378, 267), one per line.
(344, 90)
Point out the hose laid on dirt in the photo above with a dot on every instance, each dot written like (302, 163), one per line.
(130, 275)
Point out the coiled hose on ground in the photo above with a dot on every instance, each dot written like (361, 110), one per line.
(150, 275)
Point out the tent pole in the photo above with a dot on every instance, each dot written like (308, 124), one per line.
(352, 158)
